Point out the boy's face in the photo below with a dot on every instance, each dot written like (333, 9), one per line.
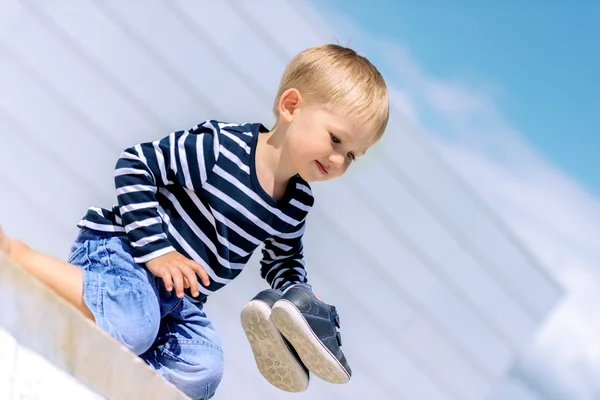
(323, 142)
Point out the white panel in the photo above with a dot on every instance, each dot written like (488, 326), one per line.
(330, 256)
(287, 29)
(355, 219)
(29, 218)
(540, 289)
(515, 390)
(52, 134)
(12, 16)
(83, 85)
(469, 332)
(452, 367)
(508, 266)
(422, 286)
(178, 44)
(221, 24)
(413, 225)
(138, 72)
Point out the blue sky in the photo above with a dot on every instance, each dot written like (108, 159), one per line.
(538, 61)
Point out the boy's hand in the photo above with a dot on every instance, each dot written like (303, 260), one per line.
(175, 268)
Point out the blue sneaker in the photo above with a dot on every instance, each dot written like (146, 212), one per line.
(311, 326)
(275, 358)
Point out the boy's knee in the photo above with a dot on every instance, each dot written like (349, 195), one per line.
(140, 340)
(137, 328)
(200, 382)
(215, 377)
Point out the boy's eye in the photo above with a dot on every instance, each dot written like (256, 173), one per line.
(335, 139)
(351, 156)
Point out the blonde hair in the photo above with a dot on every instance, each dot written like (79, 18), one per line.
(338, 76)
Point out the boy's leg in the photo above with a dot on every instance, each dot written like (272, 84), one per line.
(188, 351)
(64, 278)
(123, 298)
(119, 292)
(103, 281)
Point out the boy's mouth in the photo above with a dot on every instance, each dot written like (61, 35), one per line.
(322, 168)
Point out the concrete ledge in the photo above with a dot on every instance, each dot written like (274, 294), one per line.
(48, 325)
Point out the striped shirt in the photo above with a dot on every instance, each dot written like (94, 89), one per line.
(197, 192)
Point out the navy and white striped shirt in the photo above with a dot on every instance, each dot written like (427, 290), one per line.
(197, 192)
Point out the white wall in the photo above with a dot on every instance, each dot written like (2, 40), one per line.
(436, 298)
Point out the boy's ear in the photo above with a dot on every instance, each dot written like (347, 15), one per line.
(289, 102)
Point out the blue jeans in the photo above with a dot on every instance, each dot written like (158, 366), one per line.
(172, 335)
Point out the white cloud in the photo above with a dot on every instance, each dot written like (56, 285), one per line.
(552, 213)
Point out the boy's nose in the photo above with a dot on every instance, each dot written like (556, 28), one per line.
(336, 159)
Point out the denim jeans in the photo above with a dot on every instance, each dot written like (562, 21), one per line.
(172, 335)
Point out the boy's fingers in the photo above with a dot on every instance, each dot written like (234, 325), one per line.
(190, 276)
(201, 273)
(178, 281)
(166, 277)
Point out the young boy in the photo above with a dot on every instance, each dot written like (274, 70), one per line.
(191, 209)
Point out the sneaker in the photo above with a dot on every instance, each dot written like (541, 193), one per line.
(275, 357)
(311, 326)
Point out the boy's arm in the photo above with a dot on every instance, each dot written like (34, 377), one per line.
(185, 158)
(283, 259)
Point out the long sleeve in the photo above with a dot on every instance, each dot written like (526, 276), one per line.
(283, 259)
(185, 158)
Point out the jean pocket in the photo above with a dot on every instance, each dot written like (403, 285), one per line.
(79, 254)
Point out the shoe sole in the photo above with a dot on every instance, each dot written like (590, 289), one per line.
(273, 358)
(313, 353)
